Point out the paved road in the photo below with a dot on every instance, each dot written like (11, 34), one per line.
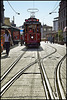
(29, 85)
(51, 62)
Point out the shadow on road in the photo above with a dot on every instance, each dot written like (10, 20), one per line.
(32, 49)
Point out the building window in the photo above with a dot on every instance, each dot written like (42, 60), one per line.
(64, 13)
(44, 29)
(61, 25)
(49, 29)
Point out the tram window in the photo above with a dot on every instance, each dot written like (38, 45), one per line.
(37, 28)
(30, 26)
(26, 28)
(34, 28)
(30, 29)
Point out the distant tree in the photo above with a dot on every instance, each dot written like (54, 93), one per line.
(60, 35)
(56, 37)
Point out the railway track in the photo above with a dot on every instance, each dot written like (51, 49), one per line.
(46, 84)
(17, 75)
(58, 83)
(60, 93)
(15, 62)
(11, 66)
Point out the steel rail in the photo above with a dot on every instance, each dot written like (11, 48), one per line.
(46, 91)
(50, 53)
(50, 92)
(17, 75)
(44, 84)
(15, 62)
(58, 84)
(47, 87)
(11, 66)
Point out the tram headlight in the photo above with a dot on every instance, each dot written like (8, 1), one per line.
(32, 37)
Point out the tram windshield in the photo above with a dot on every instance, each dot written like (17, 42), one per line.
(32, 28)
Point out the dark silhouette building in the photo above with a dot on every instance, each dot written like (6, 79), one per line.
(2, 12)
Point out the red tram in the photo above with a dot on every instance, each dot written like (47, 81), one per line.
(32, 32)
(16, 36)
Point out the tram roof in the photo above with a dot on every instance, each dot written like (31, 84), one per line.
(32, 22)
(9, 27)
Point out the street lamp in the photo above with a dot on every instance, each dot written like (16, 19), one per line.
(52, 12)
(13, 9)
(18, 13)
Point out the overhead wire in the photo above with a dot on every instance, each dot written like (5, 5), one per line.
(13, 8)
(33, 3)
(55, 7)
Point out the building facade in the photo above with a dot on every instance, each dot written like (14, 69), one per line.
(7, 21)
(55, 24)
(41, 31)
(63, 17)
(48, 32)
(62, 14)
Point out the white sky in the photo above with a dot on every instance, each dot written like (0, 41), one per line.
(45, 7)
